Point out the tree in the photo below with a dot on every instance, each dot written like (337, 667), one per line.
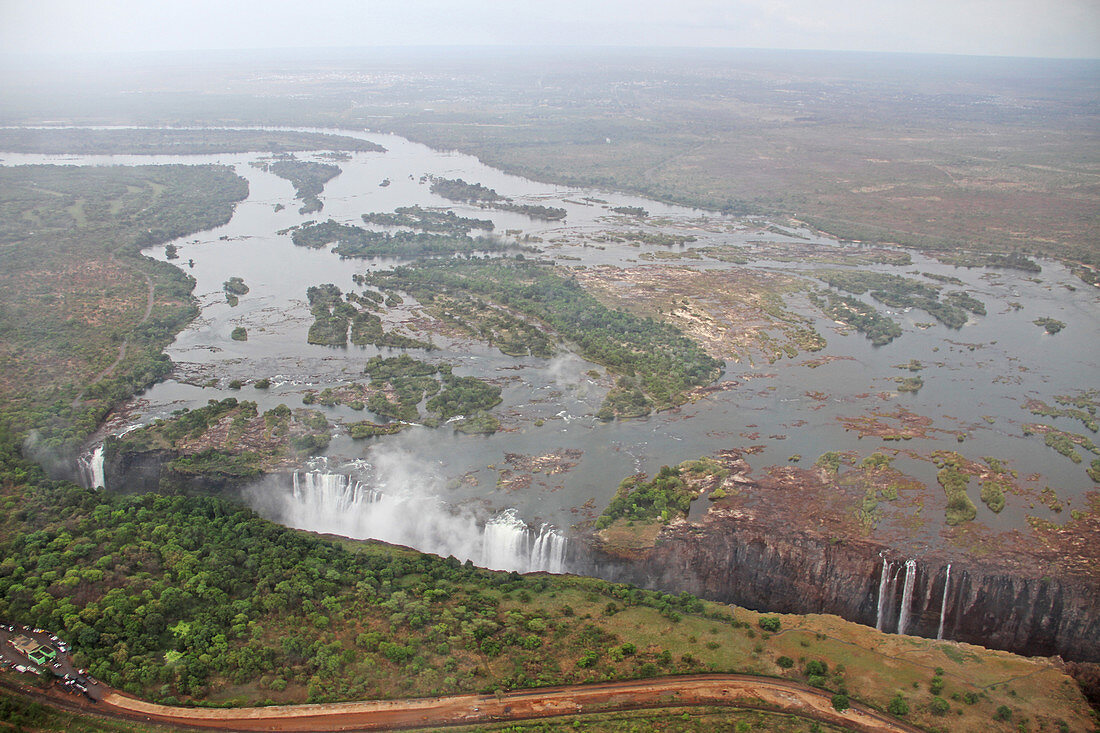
(898, 706)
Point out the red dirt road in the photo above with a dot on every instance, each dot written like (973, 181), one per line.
(743, 691)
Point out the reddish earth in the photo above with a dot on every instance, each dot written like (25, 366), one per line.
(744, 691)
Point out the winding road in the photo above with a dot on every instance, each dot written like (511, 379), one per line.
(732, 690)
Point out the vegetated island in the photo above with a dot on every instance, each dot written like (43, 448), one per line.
(428, 220)
(355, 241)
(457, 189)
(657, 365)
(172, 141)
(308, 178)
(228, 444)
(334, 315)
(897, 291)
(218, 447)
(234, 287)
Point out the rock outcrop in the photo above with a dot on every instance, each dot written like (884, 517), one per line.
(734, 557)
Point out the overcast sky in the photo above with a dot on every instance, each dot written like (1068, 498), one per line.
(1055, 28)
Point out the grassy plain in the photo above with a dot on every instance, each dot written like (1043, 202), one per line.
(935, 152)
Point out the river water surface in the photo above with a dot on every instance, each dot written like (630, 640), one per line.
(455, 494)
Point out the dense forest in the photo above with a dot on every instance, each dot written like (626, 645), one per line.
(73, 340)
(654, 358)
(174, 597)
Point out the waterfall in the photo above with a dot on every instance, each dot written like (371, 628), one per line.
(882, 585)
(336, 503)
(91, 469)
(943, 603)
(907, 594)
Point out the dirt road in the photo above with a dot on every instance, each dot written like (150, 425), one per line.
(743, 691)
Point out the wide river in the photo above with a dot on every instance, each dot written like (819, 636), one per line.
(435, 489)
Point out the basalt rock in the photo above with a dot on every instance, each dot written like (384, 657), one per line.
(734, 557)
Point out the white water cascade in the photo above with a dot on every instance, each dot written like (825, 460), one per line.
(91, 469)
(340, 504)
(883, 581)
(943, 603)
(508, 544)
(907, 594)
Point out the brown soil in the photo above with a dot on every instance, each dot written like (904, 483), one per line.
(743, 691)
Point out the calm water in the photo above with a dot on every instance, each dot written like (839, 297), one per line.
(975, 381)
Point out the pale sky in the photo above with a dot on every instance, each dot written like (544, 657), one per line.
(1056, 28)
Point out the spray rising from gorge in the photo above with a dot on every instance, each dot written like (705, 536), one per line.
(389, 498)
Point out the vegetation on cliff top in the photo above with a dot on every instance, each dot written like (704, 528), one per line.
(229, 438)
(666, 497)
(954, 481)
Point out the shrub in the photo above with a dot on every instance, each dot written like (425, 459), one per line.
(815, 667)
(937, 685)
(840, 703)
(588, 659)
(785, 662)
(940, 706)
(770, 623)
(898, 706)
(1004, 712)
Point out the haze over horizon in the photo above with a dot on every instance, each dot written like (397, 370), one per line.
(1027, 28)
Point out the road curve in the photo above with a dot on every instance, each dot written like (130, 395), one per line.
(744, 691)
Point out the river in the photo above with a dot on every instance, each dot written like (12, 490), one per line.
(975, 382)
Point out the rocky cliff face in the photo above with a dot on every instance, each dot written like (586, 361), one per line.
(732, 557)
(140, 472)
